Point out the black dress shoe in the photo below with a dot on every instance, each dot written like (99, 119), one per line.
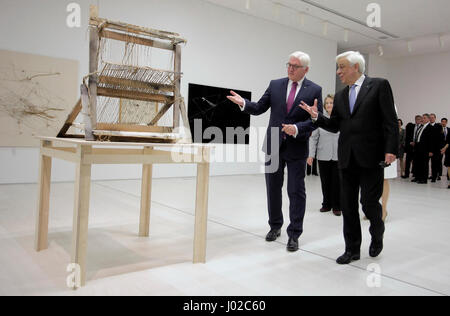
(348, 257)
(325, 210)
(292, 245)
(376, 247)
(414, 180)
(273, 235)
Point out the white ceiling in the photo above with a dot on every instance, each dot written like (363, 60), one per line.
(425, 24)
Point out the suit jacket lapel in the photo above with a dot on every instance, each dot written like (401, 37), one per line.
(346, 95)
(366, 86)
(283, 95)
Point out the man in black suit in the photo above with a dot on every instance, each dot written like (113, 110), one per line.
(286, 144)
(445, 132)
(437, 142)
(411, 130)
(365, 114)
(423, 150)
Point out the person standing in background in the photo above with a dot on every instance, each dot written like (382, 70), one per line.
(423, 151)
(326, 146)
(410, 137)
(445, 132)
(446, 151)
(401, 147)
(436, 143)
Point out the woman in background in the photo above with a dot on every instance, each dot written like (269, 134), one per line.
(325, 144)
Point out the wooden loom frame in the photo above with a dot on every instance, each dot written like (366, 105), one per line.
(87, 105)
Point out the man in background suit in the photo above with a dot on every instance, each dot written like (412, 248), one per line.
(287, 139)
(411, 130)
(437, 142)
(365, 114)
(445, 131)
(423, 150)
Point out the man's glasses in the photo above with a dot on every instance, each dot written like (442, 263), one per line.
(295, 67)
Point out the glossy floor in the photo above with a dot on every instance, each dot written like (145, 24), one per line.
(239, 261)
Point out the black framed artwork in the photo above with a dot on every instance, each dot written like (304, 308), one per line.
(210, 111)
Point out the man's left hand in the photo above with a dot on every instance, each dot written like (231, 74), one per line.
(390, 159)
(289, 129)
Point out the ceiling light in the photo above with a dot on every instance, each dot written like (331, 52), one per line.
(248, 4)
(301, 17)
(441, 41)
(276, 10)
(346, 36)
(409, 47)
(325, 28)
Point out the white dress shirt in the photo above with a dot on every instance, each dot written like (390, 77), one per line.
(358, 84)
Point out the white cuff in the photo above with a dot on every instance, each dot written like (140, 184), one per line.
(242, 107)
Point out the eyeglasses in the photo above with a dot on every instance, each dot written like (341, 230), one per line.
(296, 67)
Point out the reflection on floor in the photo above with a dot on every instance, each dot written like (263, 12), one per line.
(239, 261)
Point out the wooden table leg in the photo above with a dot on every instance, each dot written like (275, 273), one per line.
(201, 213)
(146, 200)
(81, 213)
(45, 174)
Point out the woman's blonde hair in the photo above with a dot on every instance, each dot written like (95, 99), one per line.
(330, 96)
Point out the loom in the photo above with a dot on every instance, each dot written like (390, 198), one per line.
(133, 82)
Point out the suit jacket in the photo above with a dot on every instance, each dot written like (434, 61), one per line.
(275, 99)
(442, 141)
(371, 131)
(409, 137)
(438, 139)
(446, 138)
(425, 145)
(324, 144)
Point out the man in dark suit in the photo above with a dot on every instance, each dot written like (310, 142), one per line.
(411, 130)
(365, 114)
(437, 142)
(444, 150)
(445, 132)
(423, 150)
(286, 143)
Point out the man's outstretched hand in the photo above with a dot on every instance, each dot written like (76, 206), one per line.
(312, 110)
(236, 98)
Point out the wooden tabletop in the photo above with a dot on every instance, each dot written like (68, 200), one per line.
(78, 141)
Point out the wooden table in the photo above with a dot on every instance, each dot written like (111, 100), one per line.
(86, 153)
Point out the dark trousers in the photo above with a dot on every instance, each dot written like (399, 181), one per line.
(331, 184)
(436, 166)
(296, 192)
(408, 162)
(370, 181)
(421, 166)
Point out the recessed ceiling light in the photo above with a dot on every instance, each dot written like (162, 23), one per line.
(383, 37)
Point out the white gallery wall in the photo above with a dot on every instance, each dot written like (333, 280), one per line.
(225, 49)
(421, 84)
